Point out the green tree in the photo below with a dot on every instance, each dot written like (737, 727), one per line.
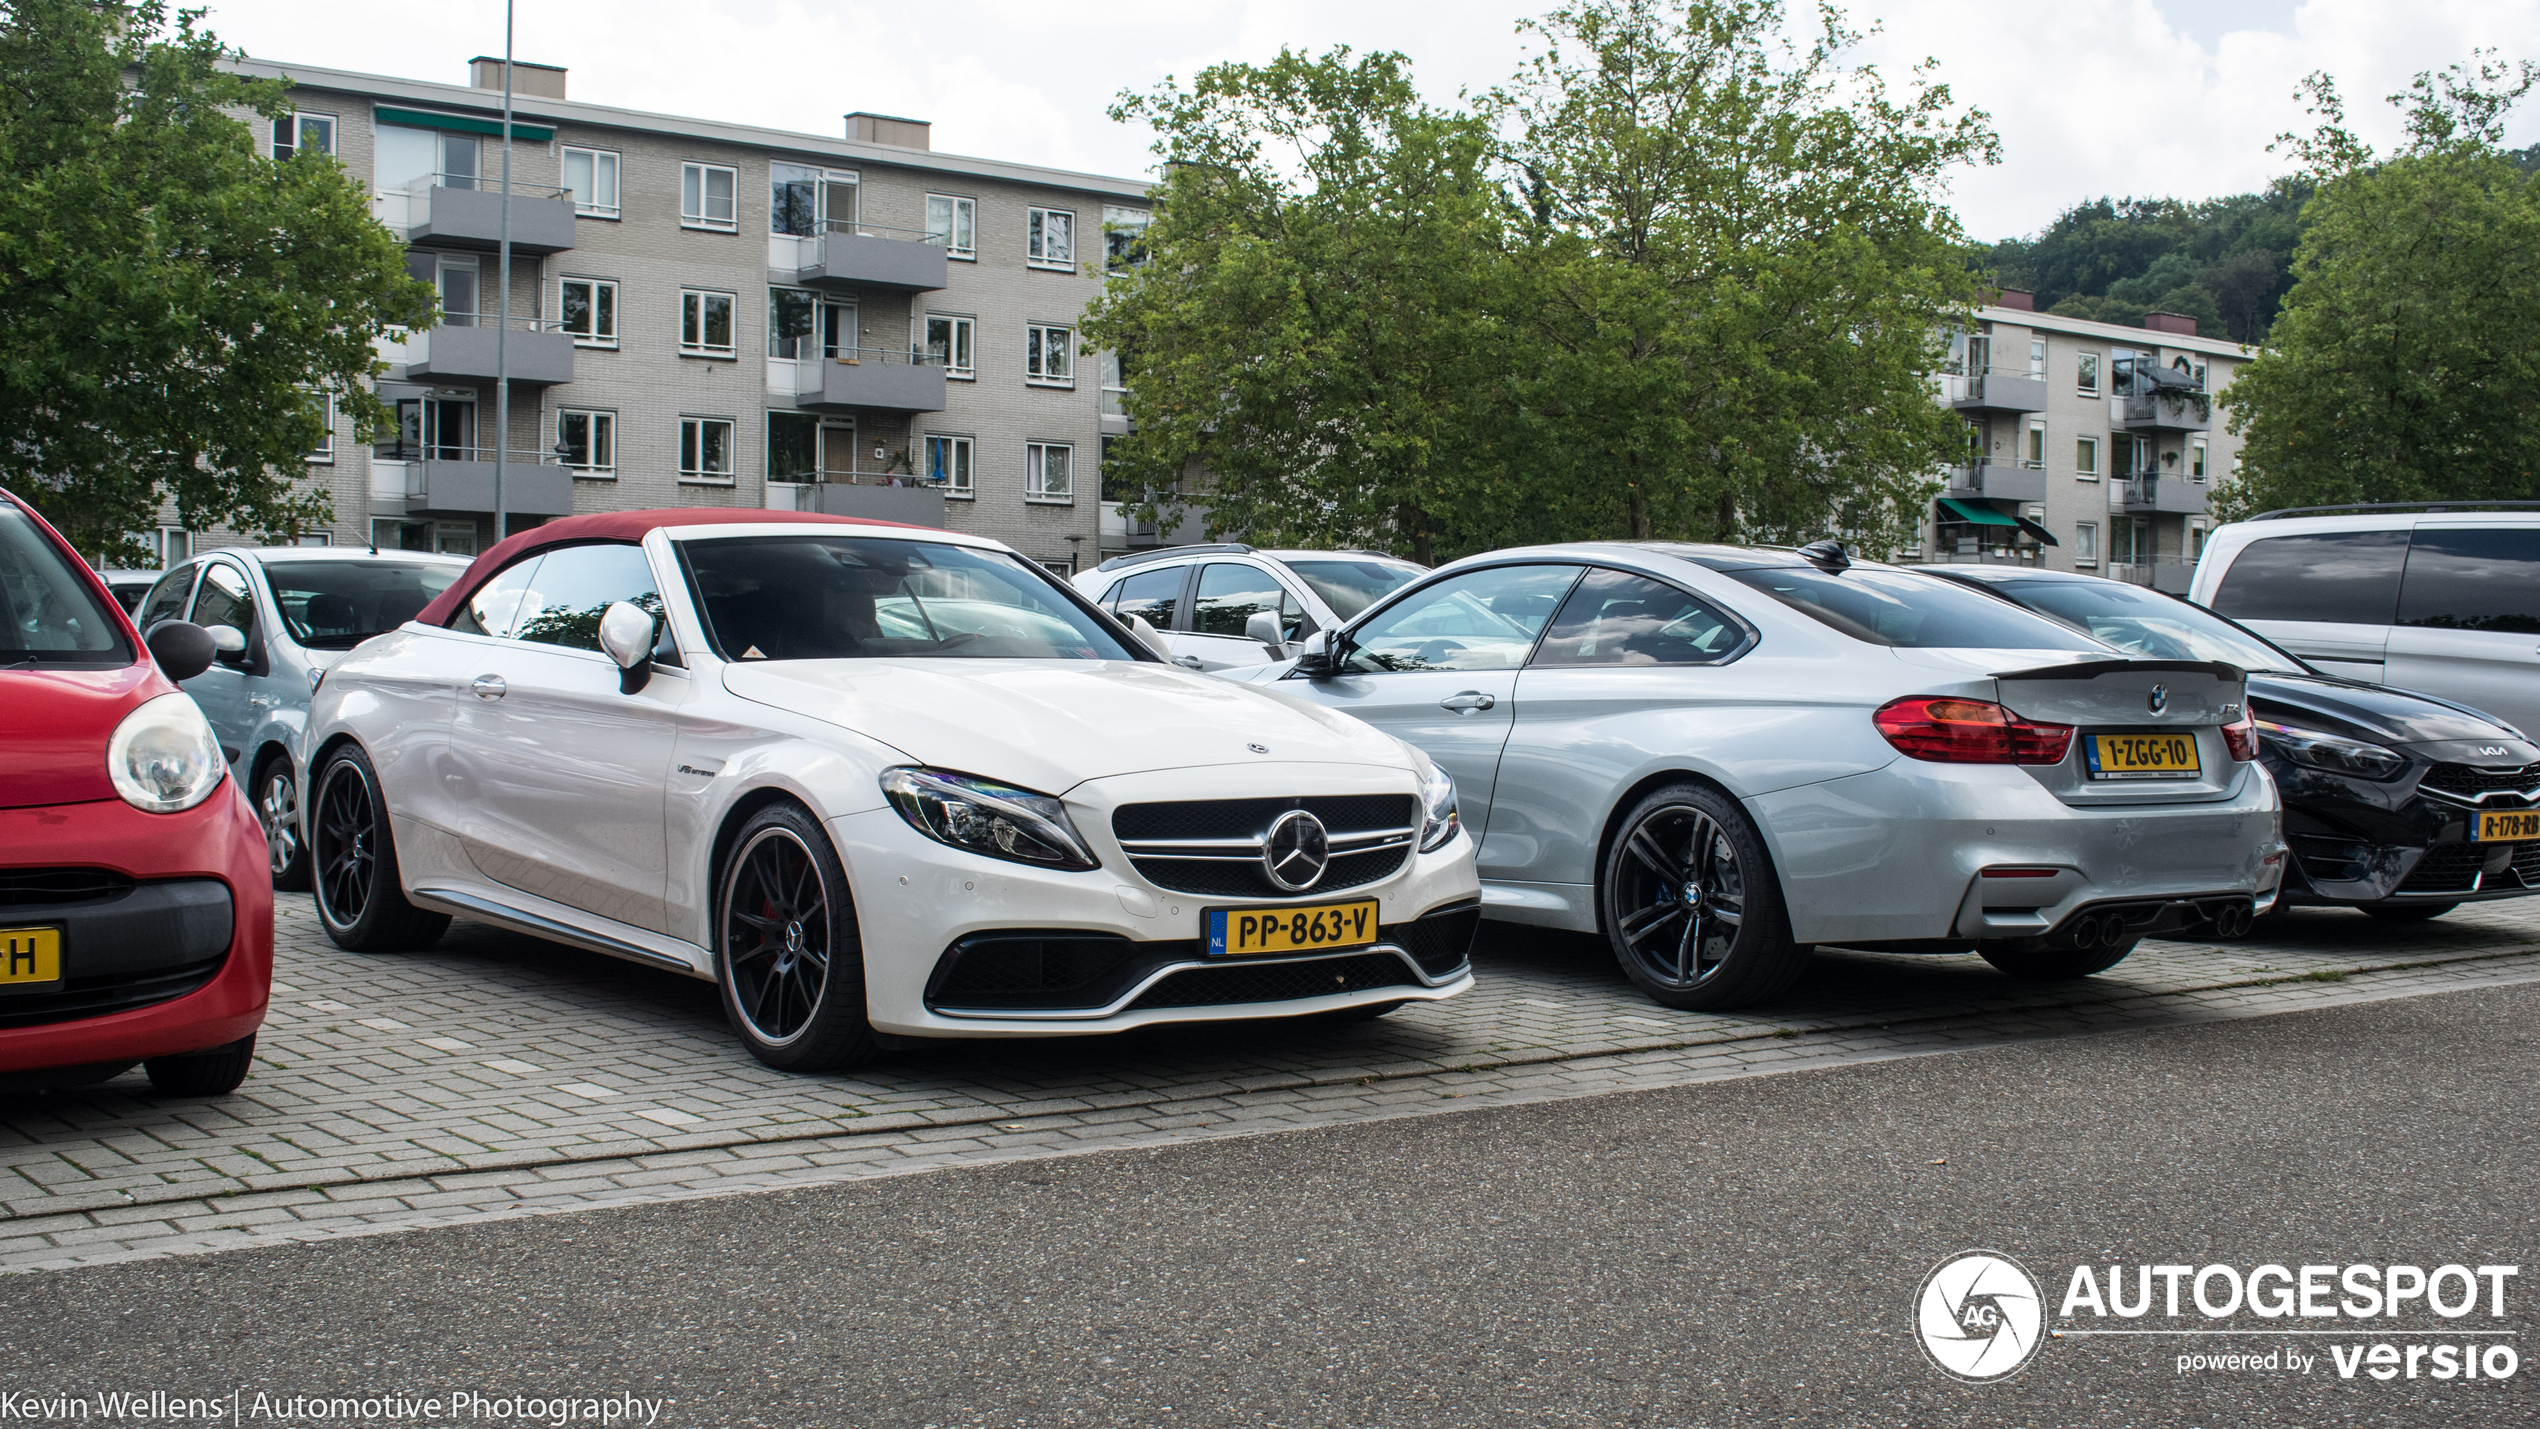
(174, 307)
(1311, 322)
(2406, 363)
(1734, 268)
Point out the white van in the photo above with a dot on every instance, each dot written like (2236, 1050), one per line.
(2443, 600)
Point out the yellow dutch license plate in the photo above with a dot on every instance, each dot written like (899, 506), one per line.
(29, 956)
(2143, 756)
(2506, 826)
(1324, 928)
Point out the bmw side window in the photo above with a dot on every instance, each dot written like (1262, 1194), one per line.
(225, 600)
(166, 600)
(1480, 620)
(1152, 594)
(494, 609)
(1619, 619)
(575, 584)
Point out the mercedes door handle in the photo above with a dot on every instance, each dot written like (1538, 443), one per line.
(1467, 702)
(488, 687)
(1189, 662)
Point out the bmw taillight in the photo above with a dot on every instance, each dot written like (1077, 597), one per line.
(2240, 737)
(1955, 731)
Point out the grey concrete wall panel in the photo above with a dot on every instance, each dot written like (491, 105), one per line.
(473, 218)
(2002, 483)
(466, 488)
(466, 354)
(1998, 392)
(914, 505)
(880, 386)
(895, 265)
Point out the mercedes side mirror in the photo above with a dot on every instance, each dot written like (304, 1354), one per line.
(1152, 638)
(626, 634)
(184, 649)
(1263, 626)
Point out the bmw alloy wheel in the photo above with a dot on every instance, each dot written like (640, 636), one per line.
(1680, 892)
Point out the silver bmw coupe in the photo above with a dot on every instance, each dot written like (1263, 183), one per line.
(1719, 756)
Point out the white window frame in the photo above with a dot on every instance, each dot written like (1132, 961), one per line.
(961, 217)
(700, 216)
(696, 298)
(616, 306)
(692, 432)
(615, 165)
(2086, 469)
(2085, 543)
(961, 483)
(334, 127)
(1036, 245)
(962, 342)
(324, 453)
(1036, 345)
(2033, 447)
(1036, 474)
(2199, 459)
(2086, 373)
(2037, 358)
(809, 342)
(597, 417)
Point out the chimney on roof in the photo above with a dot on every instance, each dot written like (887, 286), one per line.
(2179, 323)
(866, 128)
(541, 81)
(2016, 299)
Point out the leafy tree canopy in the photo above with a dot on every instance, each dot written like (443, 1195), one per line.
(2225, 262)
(2406, 363)
(173, 306)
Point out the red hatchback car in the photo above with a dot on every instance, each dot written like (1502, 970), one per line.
(136, 909)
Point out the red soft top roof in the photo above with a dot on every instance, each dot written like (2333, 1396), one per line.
(617, 526)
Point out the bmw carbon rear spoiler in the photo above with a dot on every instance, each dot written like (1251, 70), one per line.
(2093, 669)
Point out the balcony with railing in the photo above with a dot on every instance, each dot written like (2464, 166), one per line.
(1995, 390)
(2164, 573)
(872, 495)
(881, 379)
(845, 254)
(1996, 481)
(449, 210)
(442, 479)
(462, 349)
(2151, 492)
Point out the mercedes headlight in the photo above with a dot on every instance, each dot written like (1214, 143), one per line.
(163, 758)
(1438, 821)
(2315, 749)
(984, 817)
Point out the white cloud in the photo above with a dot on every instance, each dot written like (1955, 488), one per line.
(2105, 98)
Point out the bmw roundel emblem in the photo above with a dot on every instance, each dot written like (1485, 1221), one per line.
(2160, 699)
(1296, 852)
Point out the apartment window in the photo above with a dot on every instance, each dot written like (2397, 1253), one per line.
(2086, 458)
(705, 449)
(2195, 539)
(588, 310)
(948, 465)
(2086, 543)
(454, 277)
(1049, 471)
(1051, 242)
(793, 446)
(324, 451)
(791, 315)
(2037, 358)
(2196, 457)
(303, 133)
(1124, 232)
(2033, 455)
(2086, 374)
(586, 441)
(706, 197)
(705, 322)
(1049, 355)
(952, 344)
(591, 176)
(954, 223)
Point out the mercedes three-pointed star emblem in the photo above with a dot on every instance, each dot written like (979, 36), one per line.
(1297, 851)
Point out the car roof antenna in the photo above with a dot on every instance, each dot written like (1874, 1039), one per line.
(1827, 556)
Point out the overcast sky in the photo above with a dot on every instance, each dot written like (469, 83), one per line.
(2145, 97)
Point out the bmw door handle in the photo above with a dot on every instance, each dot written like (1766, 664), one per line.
(1189, 662)
(1467, 702)
(488, 687)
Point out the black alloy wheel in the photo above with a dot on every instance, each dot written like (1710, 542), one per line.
(791, 962)
(1691, 906)
(353, 861)
(277, 799)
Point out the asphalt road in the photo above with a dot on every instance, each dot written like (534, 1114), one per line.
(1734, 1253)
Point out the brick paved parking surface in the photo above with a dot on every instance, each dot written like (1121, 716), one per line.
(500, 1075)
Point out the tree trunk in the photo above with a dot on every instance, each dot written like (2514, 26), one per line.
(1413, 523)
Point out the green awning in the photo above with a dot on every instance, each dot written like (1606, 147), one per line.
(1980, 515)
(465, 123)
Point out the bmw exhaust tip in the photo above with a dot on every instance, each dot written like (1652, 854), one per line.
(2085, 933)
